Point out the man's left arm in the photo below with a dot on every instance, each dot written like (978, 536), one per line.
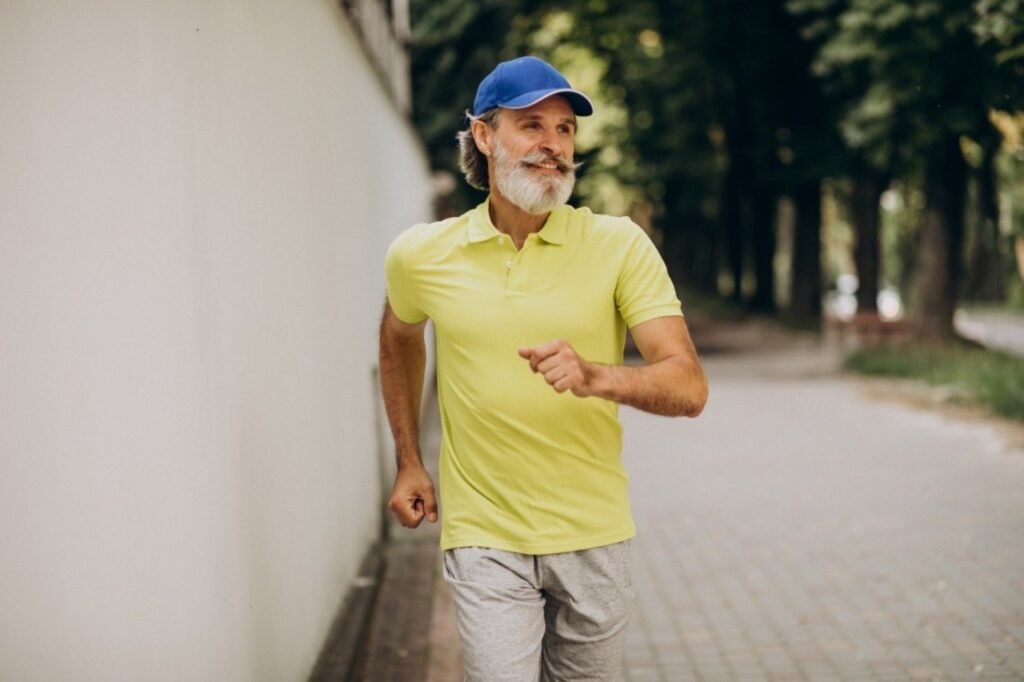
(671, 382)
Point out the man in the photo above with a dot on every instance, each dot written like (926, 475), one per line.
(530, 300)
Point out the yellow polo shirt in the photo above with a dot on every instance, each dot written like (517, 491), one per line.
(523, 468)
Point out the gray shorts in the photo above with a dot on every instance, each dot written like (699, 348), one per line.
(548, 617)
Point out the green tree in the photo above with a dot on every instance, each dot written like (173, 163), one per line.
(867, 153)
(930, 81)
(725, 117)
(454, 45)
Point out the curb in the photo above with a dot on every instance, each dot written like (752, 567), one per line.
(344, 651)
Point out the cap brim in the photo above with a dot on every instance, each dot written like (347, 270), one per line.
(580, 103)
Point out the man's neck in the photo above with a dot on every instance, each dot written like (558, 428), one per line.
(512, 220)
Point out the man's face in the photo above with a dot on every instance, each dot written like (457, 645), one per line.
(531, 153)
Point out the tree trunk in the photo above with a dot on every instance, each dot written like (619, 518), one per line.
(704, 256)
(690, 257)
(986, 279)
(673, 251)
(676, 235)
(762, 221)
(868, 185)
(737, 186)
(942, 231)
(805, 278)
(732, 226)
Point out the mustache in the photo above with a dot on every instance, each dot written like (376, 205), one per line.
(563, 164)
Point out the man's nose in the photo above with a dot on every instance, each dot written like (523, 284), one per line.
(551, 145)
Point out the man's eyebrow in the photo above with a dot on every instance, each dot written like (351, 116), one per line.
(571, 120)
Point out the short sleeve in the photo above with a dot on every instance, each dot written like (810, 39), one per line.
(644, 289)
(403, 294)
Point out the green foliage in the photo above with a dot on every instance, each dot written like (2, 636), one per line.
(911, 73)
(709, 110)
(915, 81)
(999, 21)
(993, 379)
(455, 44)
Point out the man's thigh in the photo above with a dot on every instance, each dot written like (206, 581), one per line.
(589, 595)
(499, 612)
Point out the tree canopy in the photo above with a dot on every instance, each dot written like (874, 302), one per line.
(722, 126)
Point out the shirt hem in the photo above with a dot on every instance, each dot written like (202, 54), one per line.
(544, 548)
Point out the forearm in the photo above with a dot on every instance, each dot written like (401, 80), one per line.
(402, 363)
(671, 387)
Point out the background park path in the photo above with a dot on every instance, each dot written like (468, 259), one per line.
(802, 529)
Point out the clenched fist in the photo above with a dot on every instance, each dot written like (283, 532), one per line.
(561, 367)
(412, 498)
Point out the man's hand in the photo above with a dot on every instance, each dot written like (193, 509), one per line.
(561, 367)
(671, 381)
(413, 497)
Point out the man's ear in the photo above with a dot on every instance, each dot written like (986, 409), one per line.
(482, 136)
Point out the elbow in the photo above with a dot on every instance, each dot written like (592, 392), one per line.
(696, 398)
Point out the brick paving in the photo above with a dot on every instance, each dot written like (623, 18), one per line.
(400, 636)
(800, 531)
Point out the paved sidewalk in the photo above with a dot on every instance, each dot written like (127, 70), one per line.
(412, 636)
(997, 329)
(801, 531)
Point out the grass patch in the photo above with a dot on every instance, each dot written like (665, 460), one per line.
(990, 378)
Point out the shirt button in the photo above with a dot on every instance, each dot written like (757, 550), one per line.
(508, 264)
(501, 241)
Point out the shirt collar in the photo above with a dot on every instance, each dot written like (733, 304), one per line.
(481, 229)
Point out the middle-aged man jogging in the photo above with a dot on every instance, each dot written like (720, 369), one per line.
(530, 300)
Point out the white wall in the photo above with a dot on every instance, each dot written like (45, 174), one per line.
(195, 199)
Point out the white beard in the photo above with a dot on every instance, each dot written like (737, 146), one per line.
(531, 191)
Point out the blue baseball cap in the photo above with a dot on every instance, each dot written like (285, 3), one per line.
(522, 82)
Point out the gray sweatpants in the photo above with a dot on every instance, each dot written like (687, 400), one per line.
(550, 617)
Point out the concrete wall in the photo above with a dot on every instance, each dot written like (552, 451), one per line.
(195, 199)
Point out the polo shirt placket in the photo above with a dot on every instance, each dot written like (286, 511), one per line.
(517, 267)
(515, 263)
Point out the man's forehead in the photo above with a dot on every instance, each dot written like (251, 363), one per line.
(556, 105)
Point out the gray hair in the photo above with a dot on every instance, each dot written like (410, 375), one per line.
(472, 161)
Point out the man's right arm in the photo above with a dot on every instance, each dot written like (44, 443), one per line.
(402, 363)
